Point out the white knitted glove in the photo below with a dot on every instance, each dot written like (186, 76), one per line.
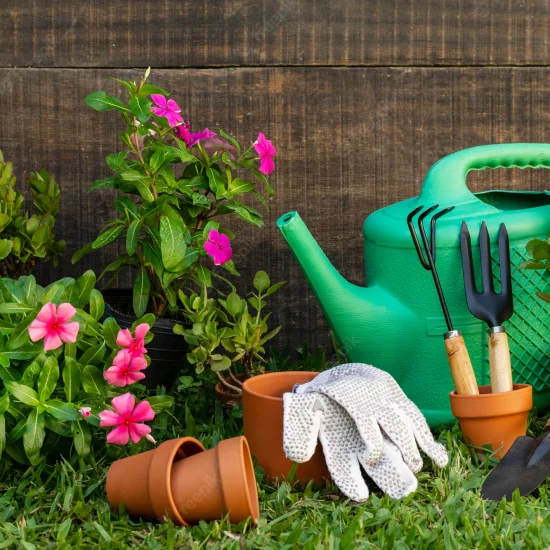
(360, 414)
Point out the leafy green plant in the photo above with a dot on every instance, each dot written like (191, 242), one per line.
(174, 184)
(24, 239)
(49, 399)
(539, 252)
(230, 331)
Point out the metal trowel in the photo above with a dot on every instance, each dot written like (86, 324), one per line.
(525, 466)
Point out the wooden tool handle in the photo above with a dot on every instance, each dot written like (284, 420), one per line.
(499, 361)
(461, 366)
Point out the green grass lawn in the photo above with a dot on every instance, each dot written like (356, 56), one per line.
(63, 505)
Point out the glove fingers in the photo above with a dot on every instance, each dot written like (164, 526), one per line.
(399, 429)
(301, 422)
(372, 437)
(391, 473)
(423, 434)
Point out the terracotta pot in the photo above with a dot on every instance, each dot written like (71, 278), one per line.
(181, 480)
(493, 418)
(225, 397)
(263, 426)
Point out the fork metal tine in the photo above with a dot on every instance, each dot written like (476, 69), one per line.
(485, 259)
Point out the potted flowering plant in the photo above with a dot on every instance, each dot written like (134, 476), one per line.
(24, 239)
(53, 387)
(174, 185)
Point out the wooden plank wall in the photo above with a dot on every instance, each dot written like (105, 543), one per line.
(360, 98)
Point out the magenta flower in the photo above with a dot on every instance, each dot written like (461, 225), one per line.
(136, 348)
(128, 418)
(167, 108)
(53, 325)
(183, 131)
(198, 136)
(125, 369)
(265, 149)
(218, 246)
(85, 411)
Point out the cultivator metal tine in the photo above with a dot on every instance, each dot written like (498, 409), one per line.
(485, 259)
(410, 217)
(433, 226)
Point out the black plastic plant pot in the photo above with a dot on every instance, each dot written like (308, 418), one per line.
(167, 350)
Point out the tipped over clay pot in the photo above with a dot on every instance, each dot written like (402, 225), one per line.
(263, 426)
(495, 419)
(181, 480)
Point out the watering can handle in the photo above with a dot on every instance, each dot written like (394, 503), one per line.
(445, 182)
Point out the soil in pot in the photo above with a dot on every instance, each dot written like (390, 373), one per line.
(167, 350)
(263, 426)
(227, 398)
(495, 419)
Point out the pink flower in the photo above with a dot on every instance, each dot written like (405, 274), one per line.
(53, 325)
(128, 418)
(183, 132)
(135, 348)
(85, 411)
(198, 136)
(125, 369)
(215, 145)
(218, 246)
(265, 149)
(167, 108)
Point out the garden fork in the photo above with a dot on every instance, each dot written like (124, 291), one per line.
(461, 367)
(489, 306)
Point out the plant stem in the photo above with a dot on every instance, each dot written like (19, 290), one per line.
(225, 383)
(235, 379)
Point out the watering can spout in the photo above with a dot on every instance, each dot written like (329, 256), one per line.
(352, 311)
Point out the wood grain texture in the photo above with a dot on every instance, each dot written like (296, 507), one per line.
(462, 371)
(349, 141)
(163, 33)
(499, 363)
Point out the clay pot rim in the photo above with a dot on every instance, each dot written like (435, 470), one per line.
(159, 482)
(492, 405)
(280, 374)
(248, 477)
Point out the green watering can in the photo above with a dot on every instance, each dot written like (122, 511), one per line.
(396, 323)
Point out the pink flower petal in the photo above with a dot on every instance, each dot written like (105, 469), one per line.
(159, 99)
(65, 312)
(68, 332)
(211, 249)
(173, 106)
(137, 431)
(214, 236)
(266, 165)
(118, 436)
(124, 404)
(85, 411)
(138, 363)
(173, 118)
(133, 377)
(122, 359)
(124, 338)
(114, 376)
(143, 411)
(224, 240)
(223, 256)
(109, 418)
(52, 341)
(37, 330)
(47, 313)
(141, 331)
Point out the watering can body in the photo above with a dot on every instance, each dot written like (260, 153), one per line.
(396, 323)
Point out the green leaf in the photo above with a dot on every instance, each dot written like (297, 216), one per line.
(223, 364)
(20, 335)
(144, 189)
(97, 304)
(5, 248)
(2, 434)
(239, 186)
(140, 107)
(215, 179)
(127, 207)
(71, 378)
(107, 237)
(544, 296)
(530, 264)
(58, 427)
(4, 403)
(132, 237)
(159, 157)
(261, 281)
(234, 304)
(84, 285)
(49, 375)
(60, 410)
(110, 332)
(116, 160)
(12, 308)
(92, 380)
(204, 275)
(33, 437)
(100, 101)
(22, 393)
(273, 288)
(79, 254)
(149, 89)
(160, 403)
(141, 293)
(55, 291)
(93, 355)
(153, 258)
(82, 437)
(12, 291)
(172, 243)
(243, 212)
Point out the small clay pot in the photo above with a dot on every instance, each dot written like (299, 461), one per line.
(493, 418)
(263, 426)
(181, 480)
(228, 399)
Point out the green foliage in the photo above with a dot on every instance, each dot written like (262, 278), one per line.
(170, 198)
(229, 331)
(41, 392)
(24, 239)
(539, 252)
